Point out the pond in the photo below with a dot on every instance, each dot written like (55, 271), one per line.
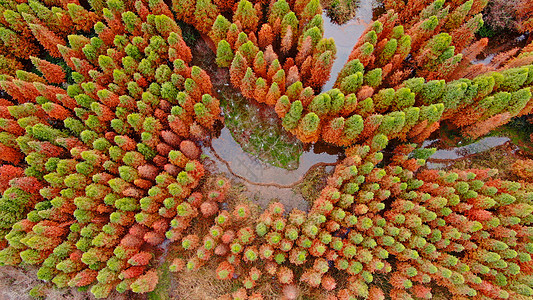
(252, 147)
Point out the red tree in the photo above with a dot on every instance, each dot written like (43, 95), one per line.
(47, 38)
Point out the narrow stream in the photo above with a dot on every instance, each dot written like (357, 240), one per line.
(346, 35)
(445, 157)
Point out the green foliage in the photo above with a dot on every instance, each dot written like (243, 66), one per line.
(97, 169)
(224, 54)
(352, 83)
(290, 121)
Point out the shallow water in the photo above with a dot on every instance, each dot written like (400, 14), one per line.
(257, 171)
(247, 121)
(444, 157)
(486, 60)
(258, 130)
(262, 181)
(346, 35)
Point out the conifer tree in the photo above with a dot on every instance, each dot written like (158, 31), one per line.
(312, 8)
(205, 14)
(261, 90)
(238, 69)
(219, 30)
(21, 48)
(248, 84)
(273, 94)
(265, 36)
(52, 73)
(247, 16)
(321, 69)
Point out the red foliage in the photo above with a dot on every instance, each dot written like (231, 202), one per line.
(133, 272)
(202, 80)
(228, 236)
(398, 280)
(170, 138)
(48, 39)
(28, 184)
(424, 135)
(225, 269)
(131, 241)
(328, 283)
(13, 91)
(375, 293)
(287, 41)
(53, 73)
(270, 55)
(479, 215)
(58, 112)
(247, 86)
(273, 95)
(221, 250)
(285, 275)
(154, 238)
(484, 127)
(293, 75)
(190, 150)
(140, 259)
(523, 168)
(178, 265)
(148, 171)
(260, 93)
(10, 155)
(8, 172)
(209, 208)
(85, 277)
(238, 69)
(332, 131)
(266, 36)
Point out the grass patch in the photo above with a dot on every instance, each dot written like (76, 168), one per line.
(312, 184)
(259, 132)
(162, 290)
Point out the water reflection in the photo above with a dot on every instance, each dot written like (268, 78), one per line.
(444, 157)
(255, 170)
(258, 130)
(346, 36)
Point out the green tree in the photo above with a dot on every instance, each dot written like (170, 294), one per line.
(205, 15)
(290, 121)
(247, 16)
(224, 54)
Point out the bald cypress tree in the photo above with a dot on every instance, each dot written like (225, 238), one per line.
(248, 84)
(321, 69)
(205, 14)
(247, 16)
(238, 69)
(224, 54)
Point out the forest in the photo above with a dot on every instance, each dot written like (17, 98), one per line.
(124, 125)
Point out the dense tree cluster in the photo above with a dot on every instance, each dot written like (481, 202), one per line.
(462, 229)
(104, 112)
(405, 66)
(98, 170)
